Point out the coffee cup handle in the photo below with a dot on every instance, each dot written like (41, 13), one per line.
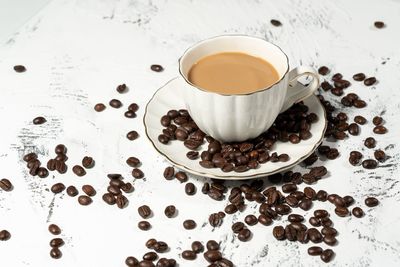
(296, 91)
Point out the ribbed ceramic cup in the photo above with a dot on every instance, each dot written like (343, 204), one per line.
(238, 117)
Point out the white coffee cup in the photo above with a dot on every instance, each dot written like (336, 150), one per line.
(238, 117)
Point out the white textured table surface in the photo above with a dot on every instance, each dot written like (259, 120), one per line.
(77, 52)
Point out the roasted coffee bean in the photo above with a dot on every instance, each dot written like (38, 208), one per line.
(237, 227)
(357, 212)
(332, 154)
(323, 149)
(380, 155)
(327, 255)
(370, 81)
(42, 172)
(132, 135)
(379, 24)
(144, 211)
(115, 103)
(89, 190)
(6, 185)
(99, 107)
(188, 255)
(109, 198)
(72, 191)
(329, 231)
(212, 255)
(60, 149)
(337, 91)
(133, 107)
(380, 129)
(4, 235)
(305, 204)
(276, 23)
(181, 176)
(294, 139)
(314, 221)
(349, 200)
(197, 247)
(56, 242)
(322, 195)
(231, 208)
(289, 188)
(19, 68)
(360, 120)
(87, 162)
(264, 219)
(292, 201)
(181, 134)
(173, 113)
(145, 263)
(127, 188)
(341, 211)
(323, 70)
(337, 77)
(151, 243)
(170, 211)
(212, 245)
(78, 170)
(342, 84)
(314, 251)
(370, 142)
(215, 220)
(371, 202)
(55, 253)
(192, 155)
(310, 193)
(354, 129)
(330, 240)
(30, 156)
(326, 86)
(279, 232)
(290, 233)
(54, 229)
(160, 247)
(144, 225)
(156, 68)
(295, 218)
(121, 201)
(137, 173)
(250, 220)
(359, 77)
(377, 120)
(169, 173)
(359, 103)
(190, 189)
(130, 114)
(57, 188)
(244, 235)
(314, 235)
(215, 194)
(369, 164)
(163, 139)
(39, 120)
(339, 202)
(189, 224)
(121, 88)
(150, 256)
(133, 162)
(131, 262)
(192, 144)
(282, 209)
(84, 200)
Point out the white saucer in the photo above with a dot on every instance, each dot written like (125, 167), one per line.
(169, 97)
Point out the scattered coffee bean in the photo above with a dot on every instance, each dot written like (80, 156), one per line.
(380, 129)
(305, 204)
(84, 200)
(150, 256)
(341, 211)
(99, 107)
(79, 170)
(121, 201)
(137, 173)
(215, 220)
(115, 103)
(371, 202)
(323, 70)
(379, 24)
(264, 220)
(251, 220)
(133, 161)
(6, 185)
(131, 262)
(144, 211)
(237, 227)
(327, 255)
(87, 162)
(212, 245)
(197, 247)
(276, 23)
(4, 235)
(56, 242)
(370, 142)
(370, 81)
(55, 253)
(189, 255)
(42, 172)
(279, 232)
(359, 77)
(314, 251)
(109, 198)
(133, 107)
(181, 176)
(212, 255)
(127, 188)
(359, 103)
(89, 190)
(295, 218)
(130, 114)
(380, 155)
(189, 224)
(39, 120)
(150, 244)
(192, 155)
(144, 225)
(190, 189)
(354, 129)
(156, 68)
(170, 211)
(54, 229)
(169, 173)
(57, 188)
(19, 68)
(160, 247)
(377, 120)
(132, 135)
(360, 120)
(357, 212)
(244, 235)
(121, 88)
(314, 235)
(369, 164)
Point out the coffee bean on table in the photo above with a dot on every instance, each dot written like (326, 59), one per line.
(57, 188)
(121, 88)
(327, 255)
(87, 162)
(4, 235)
(359, 103)
(295, 218)
(133, 161)
(190, 189)
(121, 201)
(314, 222)
(377, 120)
(379, 24)
(354, 129)
(323, 70)
(55, 253)
(109, 198)
(212, 255)
(156, 68)
(314, 235)
(359, 77)
(360, 120)
(276, 23)
(215, 220)
(150, 256)
(79, 170)
(144, 225)
(212, 245)
(189, 255)
(237, 227)
(130, 114)
(337, 91)
(305, 204)
(181, 176)
(244, 235)
(115, 103)
(132, 135)
(114, 189)
(251, 220)
(84, 200)
(349, 200)
(341, 211)
(370, 142)
(151, 243)
(6, 185)
(169, 173)
(99, 107)
(380, 129)
(54, 229)
(160, 247)
(56, 242)
(337, 77)
(137, 173)
(127, 188)
(39, 120)
(279, 232)
(88, 190)
(369, 164)
(314, 251)
(326, 86)
(357, 212)
(197, 247)
(19, 68)
(231, 208)
(144, 211)
(189, 224)
(369, 81)
(380, 155)
(371, 202)
(30, 156)
(42, 172)
(131, 262)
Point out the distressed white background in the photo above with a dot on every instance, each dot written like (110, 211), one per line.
(77, 52)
